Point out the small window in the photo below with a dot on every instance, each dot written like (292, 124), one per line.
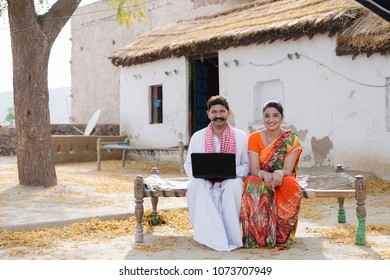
(264, 91)
(156, 104)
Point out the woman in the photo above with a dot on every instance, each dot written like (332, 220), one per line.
(272, 196)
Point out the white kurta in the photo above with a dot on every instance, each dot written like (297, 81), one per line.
(215, 208)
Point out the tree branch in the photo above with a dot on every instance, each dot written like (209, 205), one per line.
(21, 14)
(54, 20)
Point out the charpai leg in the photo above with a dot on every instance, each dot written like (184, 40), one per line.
(124, 156)
(98, 151)
(360, 195)
(155, 217)
(154, 200)
(341, 213)
(139, 208)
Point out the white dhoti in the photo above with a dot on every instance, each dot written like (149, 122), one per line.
(215, 212)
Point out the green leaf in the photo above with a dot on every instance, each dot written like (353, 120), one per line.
(128, 11)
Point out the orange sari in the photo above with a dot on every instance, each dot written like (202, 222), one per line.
(270, 219)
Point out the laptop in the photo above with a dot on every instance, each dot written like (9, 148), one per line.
(213, 165)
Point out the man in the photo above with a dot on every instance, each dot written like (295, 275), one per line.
(214, 207)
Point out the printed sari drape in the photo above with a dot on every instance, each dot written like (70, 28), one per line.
(269, 219)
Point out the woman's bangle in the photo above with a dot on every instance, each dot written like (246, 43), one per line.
(280, 172)
(260, 174)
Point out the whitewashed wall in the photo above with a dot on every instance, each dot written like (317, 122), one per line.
(96, 34)
(338, 121)
(135, 103)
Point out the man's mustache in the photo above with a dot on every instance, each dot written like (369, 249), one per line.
(218, 119)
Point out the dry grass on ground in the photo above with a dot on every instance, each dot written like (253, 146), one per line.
(114, 178)
(175, 219)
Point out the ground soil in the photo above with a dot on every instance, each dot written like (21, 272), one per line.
(83, 191)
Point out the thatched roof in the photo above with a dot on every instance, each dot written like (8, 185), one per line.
(369, 34)
(260, 22)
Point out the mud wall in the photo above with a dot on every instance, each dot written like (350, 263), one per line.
(68, 142)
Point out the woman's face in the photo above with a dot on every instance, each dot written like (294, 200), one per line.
(272, 118)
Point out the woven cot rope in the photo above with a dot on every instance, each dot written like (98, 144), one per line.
(164, 193)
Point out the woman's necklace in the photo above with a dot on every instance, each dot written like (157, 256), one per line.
(266, 136)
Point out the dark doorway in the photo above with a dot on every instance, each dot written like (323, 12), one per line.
(204, 83)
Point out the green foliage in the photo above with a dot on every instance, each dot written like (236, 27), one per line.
(42, 7)
(3, 7)
(128, 11)
(10, 118)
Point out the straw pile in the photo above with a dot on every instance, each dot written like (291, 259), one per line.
(256, 23)
(346, 233)
(176, 220)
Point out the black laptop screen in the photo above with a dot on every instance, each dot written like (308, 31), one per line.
(213, 165)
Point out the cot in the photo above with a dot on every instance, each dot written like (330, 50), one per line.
(338, 184)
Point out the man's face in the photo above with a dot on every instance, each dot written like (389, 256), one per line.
(218, 115)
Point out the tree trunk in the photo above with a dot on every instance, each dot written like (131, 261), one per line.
(32, 37)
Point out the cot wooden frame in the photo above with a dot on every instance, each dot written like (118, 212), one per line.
(125, 147)
(140, 192)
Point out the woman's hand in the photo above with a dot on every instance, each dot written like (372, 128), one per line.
(277, 178)
(267, 177)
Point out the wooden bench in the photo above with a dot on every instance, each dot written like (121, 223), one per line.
(339, 185)
(125, 147)
(111, 146)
